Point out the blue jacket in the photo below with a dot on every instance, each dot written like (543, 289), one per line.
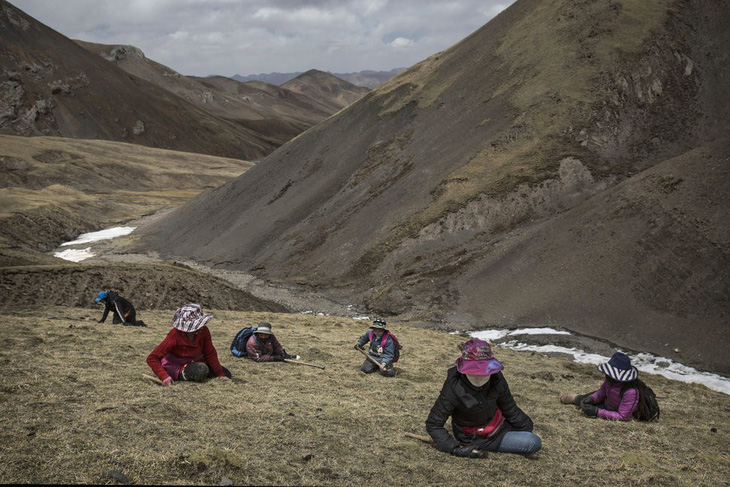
(384, 354)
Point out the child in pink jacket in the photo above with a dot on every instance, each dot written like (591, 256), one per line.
(618, 397)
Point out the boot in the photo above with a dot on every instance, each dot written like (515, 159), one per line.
(568, 399)
(195, 371)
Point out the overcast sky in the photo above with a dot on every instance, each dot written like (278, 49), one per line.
(227, 37)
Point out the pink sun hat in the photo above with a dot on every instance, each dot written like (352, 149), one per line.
(477, 359)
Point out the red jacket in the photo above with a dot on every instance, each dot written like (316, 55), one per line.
(178, 344)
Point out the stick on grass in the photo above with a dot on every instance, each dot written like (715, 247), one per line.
(153, 379)
(303, 363)
(423, 438)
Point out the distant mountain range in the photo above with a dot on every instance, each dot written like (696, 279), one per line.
(367, 79)
(52, 85)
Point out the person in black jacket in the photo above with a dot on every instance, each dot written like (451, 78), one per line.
(122, 310)
(484, 416)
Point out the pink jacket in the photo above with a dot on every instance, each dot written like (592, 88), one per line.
(612, 405)
(263, 352)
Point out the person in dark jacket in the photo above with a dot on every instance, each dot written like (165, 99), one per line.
(263, 346)
(618, 398)
(122, 310)
(187, 352)
(382, 349)
(484, 416)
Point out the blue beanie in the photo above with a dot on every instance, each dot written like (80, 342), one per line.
(101, 295)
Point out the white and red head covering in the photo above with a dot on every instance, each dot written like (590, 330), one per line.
(190, 318)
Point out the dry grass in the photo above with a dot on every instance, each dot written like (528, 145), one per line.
(74, 407)
(136, 180)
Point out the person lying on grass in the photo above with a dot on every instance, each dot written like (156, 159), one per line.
(263, 346)
(382, 351)
(122, 310)
(187, 352)
(484, 416)
(617, 398)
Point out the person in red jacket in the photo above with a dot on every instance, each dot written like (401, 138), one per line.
(187, 352)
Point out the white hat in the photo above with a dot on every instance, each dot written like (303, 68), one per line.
(190, 318)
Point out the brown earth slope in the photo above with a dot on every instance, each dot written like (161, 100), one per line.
(325, 90)
(276, 113)
(49, 85)
(541, 171)
(52, 189)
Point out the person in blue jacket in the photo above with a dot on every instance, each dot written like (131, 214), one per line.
(382, 349)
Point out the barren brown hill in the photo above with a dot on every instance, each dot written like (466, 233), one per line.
(563, 165)
(53, 86)
(326, 90)
(278, 114)
(52, 189)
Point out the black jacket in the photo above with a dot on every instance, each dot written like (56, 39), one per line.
(469, 406)
(121, 309)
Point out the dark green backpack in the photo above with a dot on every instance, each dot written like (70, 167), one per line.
(648, 409)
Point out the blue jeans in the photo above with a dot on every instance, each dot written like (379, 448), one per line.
(522, 442)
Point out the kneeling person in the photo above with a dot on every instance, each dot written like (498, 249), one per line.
(187, 352)
(263, 346)
(382, 349)
(122, 310)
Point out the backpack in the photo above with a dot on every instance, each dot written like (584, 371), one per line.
(238, 345)
(398, 346)
(648, 409)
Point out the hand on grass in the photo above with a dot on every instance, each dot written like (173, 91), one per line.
(468, 452)
(589, 410)
(167, 382)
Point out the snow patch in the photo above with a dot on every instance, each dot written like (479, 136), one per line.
(645, 362)
(75, 255)
(100, 235)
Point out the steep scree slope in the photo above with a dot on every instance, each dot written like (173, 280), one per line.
(555, 167)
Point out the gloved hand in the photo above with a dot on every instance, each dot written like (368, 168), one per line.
(589, 410)
(289, 357)
(278, 358)
(167, 382)
(358, 346)
(580, 398)
(467, 451)
(588, 400)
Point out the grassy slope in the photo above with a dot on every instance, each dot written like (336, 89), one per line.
(74, 407)
(52, 189)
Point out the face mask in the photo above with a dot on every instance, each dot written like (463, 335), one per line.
(477, 380)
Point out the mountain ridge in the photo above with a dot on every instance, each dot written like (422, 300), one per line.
(366, 78)
(447, 162)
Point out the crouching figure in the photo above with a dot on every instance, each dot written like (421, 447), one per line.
(484, 416)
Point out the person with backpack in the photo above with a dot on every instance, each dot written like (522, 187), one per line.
(383, 350)
(122, 310)
(484, 415)
(262, 345)
(620, 396)
(187, 352)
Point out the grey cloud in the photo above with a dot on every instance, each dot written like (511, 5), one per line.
(227, 37)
